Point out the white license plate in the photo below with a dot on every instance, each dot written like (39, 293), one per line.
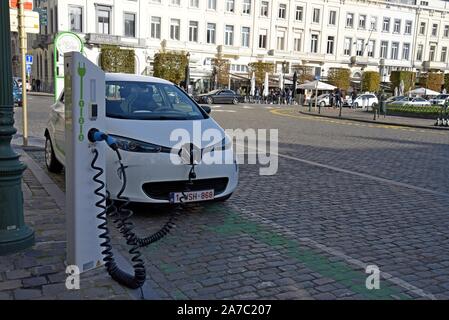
(192, 196)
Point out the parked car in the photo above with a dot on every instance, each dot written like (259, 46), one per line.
(142, 127)
(19, 82)
(219, 96)
(17, 93)
(323, 100)
(439, 100)
(410, 101)
(366, 100)
(394, 98)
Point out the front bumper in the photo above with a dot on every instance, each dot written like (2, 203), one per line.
(152, 176)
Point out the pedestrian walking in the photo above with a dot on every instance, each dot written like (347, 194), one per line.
(38, 85)
(353, 98)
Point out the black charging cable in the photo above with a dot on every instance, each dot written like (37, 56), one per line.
(131, 281)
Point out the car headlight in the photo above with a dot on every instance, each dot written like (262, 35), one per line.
(131, 145)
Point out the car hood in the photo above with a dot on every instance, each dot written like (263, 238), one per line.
(159, 131)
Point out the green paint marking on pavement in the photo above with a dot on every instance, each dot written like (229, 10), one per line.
(168, 268)
(339, 271)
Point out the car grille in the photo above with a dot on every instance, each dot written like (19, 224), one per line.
(161, 190)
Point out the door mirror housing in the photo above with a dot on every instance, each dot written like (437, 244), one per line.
(207, 109)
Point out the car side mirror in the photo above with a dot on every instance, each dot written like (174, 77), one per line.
(207, 109)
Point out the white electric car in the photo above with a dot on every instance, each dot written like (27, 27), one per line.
(143, 113)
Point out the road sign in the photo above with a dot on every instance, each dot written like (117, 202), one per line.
(29, 59)
(28, 5)
(28, 69)
(43, 20)
(31, 21)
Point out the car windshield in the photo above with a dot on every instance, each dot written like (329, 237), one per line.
(149, 101)
(442, 96)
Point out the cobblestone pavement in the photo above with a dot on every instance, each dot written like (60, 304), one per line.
(39, 273)
(345, 196)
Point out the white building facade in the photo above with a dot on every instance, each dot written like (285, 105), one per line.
(356, 34)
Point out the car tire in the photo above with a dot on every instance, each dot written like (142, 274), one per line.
(356, 105)
(53, 165)
(209, 100)
(235, 101)
(322, 104)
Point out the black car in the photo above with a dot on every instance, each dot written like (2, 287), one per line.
(219, 96)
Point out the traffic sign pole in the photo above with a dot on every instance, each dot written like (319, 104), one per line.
(23, 49)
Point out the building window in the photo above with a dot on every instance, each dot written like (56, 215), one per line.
(263, 39)
(246, 6)
(212, 4)
(297, 44)
(282, 11)
(245, 36)
(349, 20)
(155, 27)
(299, 13)
(314, 43)
(175, 26)
(422, 28)
(434, 30)
(384, 49)
(359, 47)
(194, 3)
(330, 45)
(443, 54)
(362, 22)
(193, 31)
(104, 19)
(332, 18)
(406, 51)
(408, 27)
(373, 23)
(433, 49)
(446, 31)
(386, 25)
(316, 15)
(371, 48)
(281, 40)
(130, 24)
(394, 50)
(76, 19)
(211, 30)
(419, 52)
(229, 35)
(347, 47)
(264, 9)
(397, 26)
(230, 5)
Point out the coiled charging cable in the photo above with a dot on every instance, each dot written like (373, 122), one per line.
(131, 281)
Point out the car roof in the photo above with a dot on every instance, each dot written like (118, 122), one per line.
(134, 77)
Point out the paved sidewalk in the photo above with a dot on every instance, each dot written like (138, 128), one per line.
(363, 116)
(39, 272)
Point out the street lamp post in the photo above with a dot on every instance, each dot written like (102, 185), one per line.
(14, 234)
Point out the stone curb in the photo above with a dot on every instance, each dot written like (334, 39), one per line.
(377, 122)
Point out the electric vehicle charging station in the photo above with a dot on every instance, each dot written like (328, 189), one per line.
(84, 109)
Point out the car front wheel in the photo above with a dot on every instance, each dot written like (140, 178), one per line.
(53, 165)
(210, 100)
(235, 101)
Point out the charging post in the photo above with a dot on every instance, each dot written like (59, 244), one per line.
(84, 109)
